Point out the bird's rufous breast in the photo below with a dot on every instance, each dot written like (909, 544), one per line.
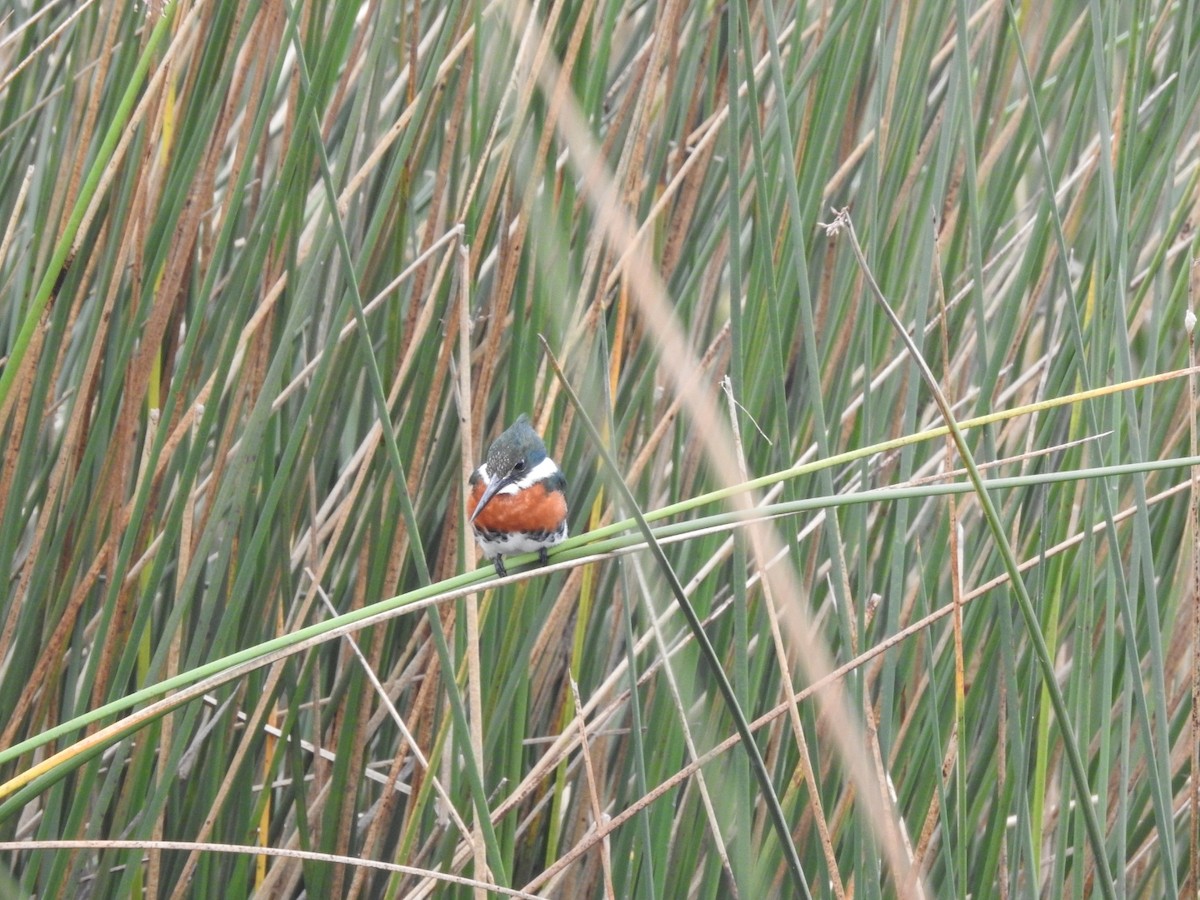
(533, 509)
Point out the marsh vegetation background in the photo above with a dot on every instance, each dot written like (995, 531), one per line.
(273, 273)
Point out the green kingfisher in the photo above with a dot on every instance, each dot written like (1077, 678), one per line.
(517, 504)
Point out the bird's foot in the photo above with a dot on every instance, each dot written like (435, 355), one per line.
(543, 556)
(498, 562)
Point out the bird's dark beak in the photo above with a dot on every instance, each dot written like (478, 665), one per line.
(489, 492)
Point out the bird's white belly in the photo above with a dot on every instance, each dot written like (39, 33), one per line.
(508, 544)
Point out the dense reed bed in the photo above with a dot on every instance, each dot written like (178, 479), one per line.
(871, 316)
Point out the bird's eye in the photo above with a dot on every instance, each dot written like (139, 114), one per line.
(519, 465)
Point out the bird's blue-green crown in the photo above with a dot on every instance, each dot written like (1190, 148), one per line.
(518, 443)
